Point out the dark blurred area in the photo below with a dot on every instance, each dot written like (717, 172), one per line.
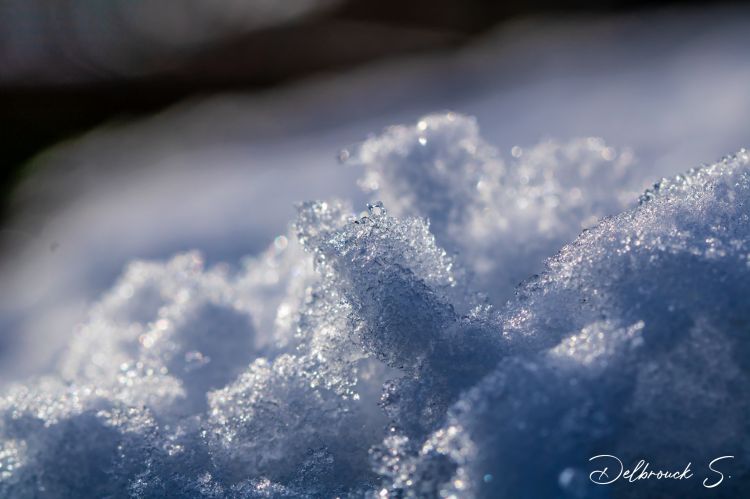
(68, 66)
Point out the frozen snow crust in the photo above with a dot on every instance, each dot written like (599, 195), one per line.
(375, 355)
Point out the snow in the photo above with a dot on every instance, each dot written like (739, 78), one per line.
(389, 349)
(503, 215)
(222, 174)
(630, 343)
(389, 352)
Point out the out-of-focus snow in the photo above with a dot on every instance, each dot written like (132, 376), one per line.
(45, 42)
(503, 216)
(221, 175)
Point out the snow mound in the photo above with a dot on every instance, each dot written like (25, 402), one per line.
(367, 354)
(503, 217)
(632, 343)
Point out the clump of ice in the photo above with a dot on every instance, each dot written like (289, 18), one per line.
(359, 355)
(504, 216)
(632, 343)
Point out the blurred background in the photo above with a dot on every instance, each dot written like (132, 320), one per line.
(136, 129)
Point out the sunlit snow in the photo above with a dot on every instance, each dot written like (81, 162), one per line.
(389, 350)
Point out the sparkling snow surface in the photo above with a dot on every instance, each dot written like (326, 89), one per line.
(388, 351)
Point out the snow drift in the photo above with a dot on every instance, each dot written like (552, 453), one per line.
(392, 352)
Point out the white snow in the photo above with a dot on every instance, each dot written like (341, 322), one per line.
(388, 349)
(358, 357)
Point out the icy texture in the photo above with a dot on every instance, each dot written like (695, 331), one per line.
(359, 357)
(503, 217)
(635, 343)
